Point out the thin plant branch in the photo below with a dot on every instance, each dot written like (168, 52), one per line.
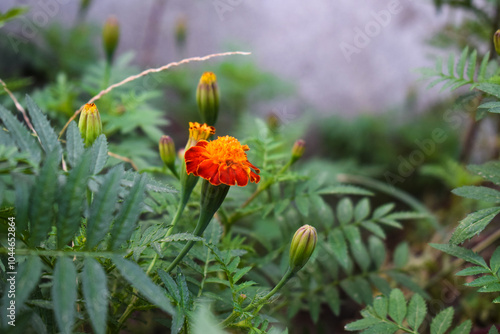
(18, 106)
(146, 72)
(114, 155)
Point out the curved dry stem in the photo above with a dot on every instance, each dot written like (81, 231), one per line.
(146, 72)
(18, 106)
(114, 155)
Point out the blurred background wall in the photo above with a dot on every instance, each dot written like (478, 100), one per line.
(345, 56)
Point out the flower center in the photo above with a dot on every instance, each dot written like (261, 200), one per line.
(227, 150)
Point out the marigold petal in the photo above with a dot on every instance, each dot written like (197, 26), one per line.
(207, 170)
(227, 175)
(254, 177)
(241, 177)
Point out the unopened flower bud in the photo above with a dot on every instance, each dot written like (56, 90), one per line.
(298, 150)
(90, 124)
(167, 151)
(496, 41)
(110, 36)
(302, 247)
(180, 32)
(207, 97)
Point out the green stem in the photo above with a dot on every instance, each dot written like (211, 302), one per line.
(234, 315)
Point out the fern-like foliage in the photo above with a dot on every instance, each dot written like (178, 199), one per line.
(392, 313)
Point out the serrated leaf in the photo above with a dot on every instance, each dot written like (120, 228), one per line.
(397, 306)
(464, 328)
(362, 324)
(417, 309)
(495, 261)
(43, 196)
(240, 273)
(362, 210)
(377, 251)
(386, 328)
(462, 253)
(21, 136)
(314, 307)
(401, 255)
(479, 193)
(473, 224)
(408, 282)
(64, 294)
(44, 130)
(358, 289)
(482, 281)
(102, 208)
(184, 291)
(344, 189)
(471, 66)
(442, 321)
(493, 287)
(332, 298)
(70, 201)
(171, 286)
(74, 144)
(95, 292)
(358, 249)
(139, 280)
(489, 88)
(490, 171)
(474, 270)
(451, 65)
(339, 247)
(380, 306)
(381, 284)
(128, 215)
(23, 187)
(482, 69)
(383, 210)
(374, 228)
(182, 237)
(345, 211)
(177, 321)
(99, 156)
(27, 277)
(461, 62)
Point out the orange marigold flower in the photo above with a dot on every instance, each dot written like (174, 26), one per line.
(221, 161)
(198, 132)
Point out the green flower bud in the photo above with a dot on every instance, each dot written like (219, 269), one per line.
(167, 151)
(110, 36)
(302, 247)
(90, 124)
(298, 150)
(207, 97)
(496, 41)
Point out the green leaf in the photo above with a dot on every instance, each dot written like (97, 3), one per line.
(314, 307)
(139, 280)
(358, 249)
(380, 305)
(462, 253)
(42, 126)
(362, 324)
(64, 294)
(358, 289)
(345, 211)
(493, 329)
(182, 237)
(490, 171)
(129, 213)
(495, 261)
(43, 196)
(417, 309)
(442, 321)
(339, 247)
(408, 282)
(464, 328)
(184, 291)
(383, 210)
(473, 224)
(21, 136)
(70, 201)
(103, 207)
(374, 228)
(461, 62)
(344, 189)
(451, 65)
(397, 306)
(240, 273)
(482, 68)
(401, 255)
(11, 14)
(303, 204)
(381, 284)
(479, 193)
(489, 88)
(377, 251)
(333, 300)
(74, 144)
(362, 210)
(23, 188)
(95, 292)
(474, 270)
(171, 286)
(471, 66)
(27, 277)
(385, 327)
(492, 287)
(482, 281)
(99, 154)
